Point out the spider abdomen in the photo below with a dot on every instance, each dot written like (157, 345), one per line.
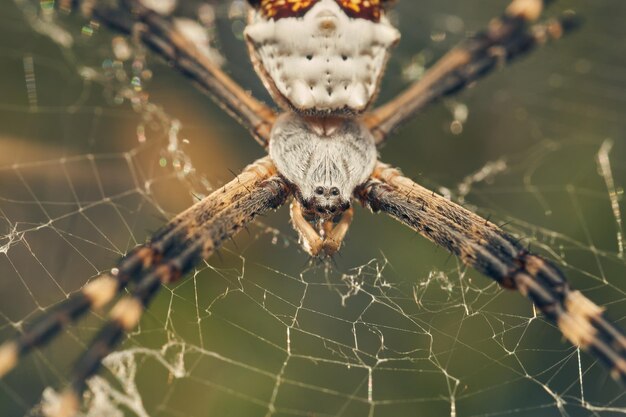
(324, 62)
(325, 159)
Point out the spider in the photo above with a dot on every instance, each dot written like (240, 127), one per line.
(322, 62)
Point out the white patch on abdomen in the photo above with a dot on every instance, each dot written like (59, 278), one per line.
(324, 61)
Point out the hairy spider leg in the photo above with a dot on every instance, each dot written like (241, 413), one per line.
(123, 318)
(201, 230)
(257, 190)
(489, 250)
(93, 296)
(161, 35)
(506, 38)
(164, 245)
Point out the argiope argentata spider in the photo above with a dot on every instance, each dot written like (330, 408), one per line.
(323, 127)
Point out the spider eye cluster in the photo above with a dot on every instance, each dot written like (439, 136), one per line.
(333, 191)
(278, 9)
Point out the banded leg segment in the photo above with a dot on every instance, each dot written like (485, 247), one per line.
(161, 35)
(257, 190)
(483, 246)
(93, 296)
(164, 245)
(505, 39)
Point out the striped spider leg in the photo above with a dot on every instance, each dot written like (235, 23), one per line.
(164, 37)
(485, 247)
(506, 38)
(479, 243)
(193, 235)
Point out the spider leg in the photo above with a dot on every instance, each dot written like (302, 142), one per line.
(328, 240)
(483, 246)
(160, 33)
(310, 239)
(505, 39)
(190, 237)
(93, 296)
(336, 233)
(101, 291)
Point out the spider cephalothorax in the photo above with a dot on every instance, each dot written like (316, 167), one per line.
(323, 56)
(325, 159)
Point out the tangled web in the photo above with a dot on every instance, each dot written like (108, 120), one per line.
(101, 143)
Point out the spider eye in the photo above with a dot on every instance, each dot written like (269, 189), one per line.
(334, 191)
(319, 190)
(277, 9)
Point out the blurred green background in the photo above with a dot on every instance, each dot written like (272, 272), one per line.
(395, 326)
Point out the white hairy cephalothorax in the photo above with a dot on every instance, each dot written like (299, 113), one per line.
(325, 160)
(323, 61)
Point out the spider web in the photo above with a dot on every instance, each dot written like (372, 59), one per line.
(101, 143)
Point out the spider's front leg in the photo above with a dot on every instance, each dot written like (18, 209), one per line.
(190, 237)
(328, 239)
(485, 247)
(506, 38)
(164, 35)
